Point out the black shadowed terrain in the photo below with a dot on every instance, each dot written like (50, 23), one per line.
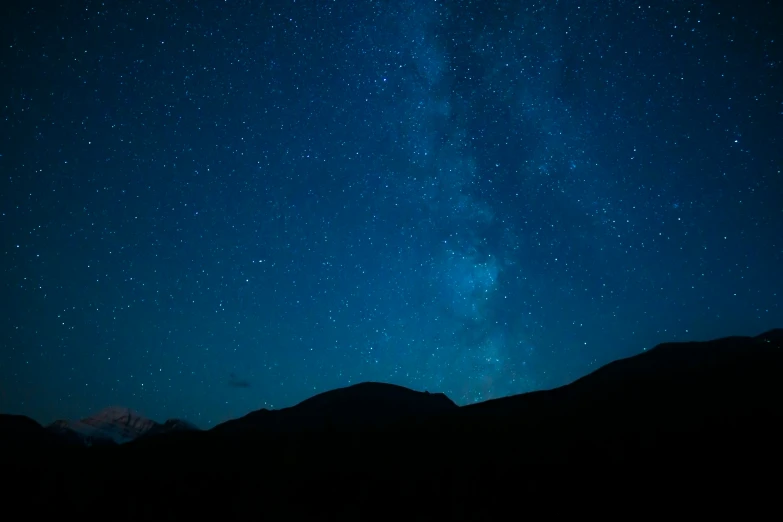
(683, 423)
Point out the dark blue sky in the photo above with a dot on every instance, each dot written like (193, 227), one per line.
(212, 207)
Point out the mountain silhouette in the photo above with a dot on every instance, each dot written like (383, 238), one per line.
(363, 405)
(692, 423)
(18, 431)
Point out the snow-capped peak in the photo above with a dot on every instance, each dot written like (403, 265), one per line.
(114, 423)
(125, 418)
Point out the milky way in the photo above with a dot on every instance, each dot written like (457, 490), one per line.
(478, 198)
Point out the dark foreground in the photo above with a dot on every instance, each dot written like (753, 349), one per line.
(689, 428)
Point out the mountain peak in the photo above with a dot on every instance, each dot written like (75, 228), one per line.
(376, 394)
(115, 423)
(357, 406)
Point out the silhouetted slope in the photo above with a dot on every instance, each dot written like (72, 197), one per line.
(18, 431)
(363, 405)
(773, 336)
(701, 395)
(731, 375)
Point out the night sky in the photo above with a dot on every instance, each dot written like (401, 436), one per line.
(212, 207)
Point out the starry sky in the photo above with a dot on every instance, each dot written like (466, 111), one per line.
(212, 207)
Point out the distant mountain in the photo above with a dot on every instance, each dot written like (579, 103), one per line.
(115, 425)
(170, 426)
(110, 425)
(363, 405)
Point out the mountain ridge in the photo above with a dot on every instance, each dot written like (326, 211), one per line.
(117, 425)
(665, 424)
